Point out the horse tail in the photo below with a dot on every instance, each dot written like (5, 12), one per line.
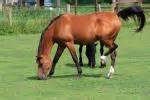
(134, 12)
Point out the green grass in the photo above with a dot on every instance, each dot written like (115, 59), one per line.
(130, 82)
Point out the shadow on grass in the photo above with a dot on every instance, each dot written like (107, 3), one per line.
(32, 78)
(70, 65)
(67, 76)
(75, 75)
(73, 65)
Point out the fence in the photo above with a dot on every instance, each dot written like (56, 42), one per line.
(26, 20)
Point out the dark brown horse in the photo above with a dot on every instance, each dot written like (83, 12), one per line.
(67, 30)
(90, 54)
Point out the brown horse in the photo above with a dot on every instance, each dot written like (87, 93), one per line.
(67, 30)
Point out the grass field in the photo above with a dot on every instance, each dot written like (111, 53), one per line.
(130, 82)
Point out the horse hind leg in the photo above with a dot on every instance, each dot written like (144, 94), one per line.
(93, 61)
(112, 47)
(102, 62)
(112, 67)
(80, 55)
(90, 53)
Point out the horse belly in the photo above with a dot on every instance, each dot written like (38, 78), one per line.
(84, 38)
(84, 33)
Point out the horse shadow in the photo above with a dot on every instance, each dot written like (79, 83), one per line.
(32, 78)
(68, 76)
(70, 65)
(75, 75)
(73, 65)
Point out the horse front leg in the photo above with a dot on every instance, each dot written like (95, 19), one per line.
(70, 46)
(80, 55)
(112, 67)
(59, 52)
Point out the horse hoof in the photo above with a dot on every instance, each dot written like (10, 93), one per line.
(81, 64)
(93, 67)
(42, 78)
(109, 77)
(102, 66)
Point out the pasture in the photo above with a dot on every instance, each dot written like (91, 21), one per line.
(130, 82)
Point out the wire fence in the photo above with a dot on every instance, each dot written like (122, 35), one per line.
(26, 20)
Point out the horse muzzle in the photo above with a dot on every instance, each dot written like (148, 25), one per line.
(42, 77)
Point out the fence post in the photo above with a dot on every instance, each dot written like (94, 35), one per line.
(58, 6)
(68, 8)
(21, 3)
(99, 7)
(8, 13)
(0, 5)
(53, 13)
(76, 3)
(114, 6)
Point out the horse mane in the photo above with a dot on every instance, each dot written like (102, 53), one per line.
(50, 23)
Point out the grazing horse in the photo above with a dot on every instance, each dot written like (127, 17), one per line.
(68, 29)
(90, 54)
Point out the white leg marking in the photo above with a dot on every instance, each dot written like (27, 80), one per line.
(111, 71)
(103, 59)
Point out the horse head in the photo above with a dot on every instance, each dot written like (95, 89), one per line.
(44, 66)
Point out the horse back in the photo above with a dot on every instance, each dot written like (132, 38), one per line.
(86, 28)
(107, 24)
(75, 27)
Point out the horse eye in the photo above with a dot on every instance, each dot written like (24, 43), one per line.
(40, 65)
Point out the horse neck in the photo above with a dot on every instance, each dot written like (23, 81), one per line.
(45, 44)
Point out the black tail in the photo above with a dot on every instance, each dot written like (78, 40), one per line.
(134, 11)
